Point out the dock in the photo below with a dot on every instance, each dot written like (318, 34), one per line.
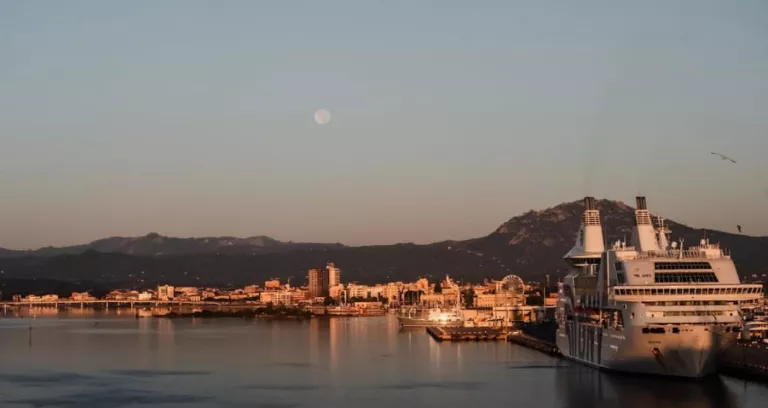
(466, 333)
(534, 343)
(746, 359)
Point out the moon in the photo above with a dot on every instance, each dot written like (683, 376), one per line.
(322, 116)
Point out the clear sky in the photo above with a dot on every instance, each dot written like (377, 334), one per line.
(192, 118)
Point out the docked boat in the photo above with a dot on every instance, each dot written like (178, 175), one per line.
(654, 307)
(430, 317)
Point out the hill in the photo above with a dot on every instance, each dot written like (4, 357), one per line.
(530, 245)
(154, 244)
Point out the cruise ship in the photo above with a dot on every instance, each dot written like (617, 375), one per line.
(652, 307)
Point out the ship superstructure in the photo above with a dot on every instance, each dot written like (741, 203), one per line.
(652, 307)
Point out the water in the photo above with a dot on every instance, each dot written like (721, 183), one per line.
(113, 361)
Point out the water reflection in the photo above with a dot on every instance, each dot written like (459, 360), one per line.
(580, 386)
(324, 362)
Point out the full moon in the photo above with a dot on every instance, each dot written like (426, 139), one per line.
(322, 116)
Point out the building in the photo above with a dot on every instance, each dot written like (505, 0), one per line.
(392, 292)
(165, 292)
(282, 297)
(187, 290)
(144, 296)
(334, 275)
(272, 284)
(81, 296)
(335, 291)
(251, 289)
(318, 283)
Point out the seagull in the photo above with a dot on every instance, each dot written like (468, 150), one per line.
(739, 228)
(724, 157)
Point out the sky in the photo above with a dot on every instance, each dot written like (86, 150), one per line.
(195, 118)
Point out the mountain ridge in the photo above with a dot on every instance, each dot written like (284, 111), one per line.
(530, 245)
(154, 244)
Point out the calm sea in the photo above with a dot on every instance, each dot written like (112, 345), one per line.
(102, 360)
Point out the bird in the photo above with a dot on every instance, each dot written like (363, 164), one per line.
(739, 228)
(722, 156)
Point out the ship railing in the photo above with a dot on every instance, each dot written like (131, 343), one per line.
(687, 254)
(742, 291)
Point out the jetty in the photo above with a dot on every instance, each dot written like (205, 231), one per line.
(467, 333)
(746, 359)
(535, 343)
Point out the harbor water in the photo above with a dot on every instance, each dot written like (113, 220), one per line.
(100, 359)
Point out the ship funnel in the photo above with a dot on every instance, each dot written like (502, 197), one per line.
(643, 234)
(589, 243)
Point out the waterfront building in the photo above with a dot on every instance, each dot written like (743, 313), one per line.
(81, 296)
(277, 297)
(251, 289)
(49, 298)
(423, 285)
(392, 292)
(165, 292)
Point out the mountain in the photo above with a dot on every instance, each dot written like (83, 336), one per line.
(154, 244)
(534, 242)
(530, 245)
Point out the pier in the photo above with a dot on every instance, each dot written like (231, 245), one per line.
(536, 344)
(746, 359)
(466, 333)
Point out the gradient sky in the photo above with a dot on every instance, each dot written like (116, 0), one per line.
(193, 118)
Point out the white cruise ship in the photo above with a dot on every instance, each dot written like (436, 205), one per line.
(654, 307)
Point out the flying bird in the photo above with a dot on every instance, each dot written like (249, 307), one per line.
(724, 157)
(739, 228)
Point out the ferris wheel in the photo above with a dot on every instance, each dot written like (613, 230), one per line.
(513, 284)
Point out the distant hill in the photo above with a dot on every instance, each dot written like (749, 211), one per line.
(530, 245)
(154, 244)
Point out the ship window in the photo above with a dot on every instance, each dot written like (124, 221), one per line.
(619, 266)
(685, 277)
(681, 266)
(620, 278)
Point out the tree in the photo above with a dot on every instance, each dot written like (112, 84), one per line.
(328, 301)
(438, 287)
(469, 297)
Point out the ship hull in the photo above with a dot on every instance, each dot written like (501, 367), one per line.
(690, 352)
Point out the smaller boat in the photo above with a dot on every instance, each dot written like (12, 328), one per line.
(432, 317)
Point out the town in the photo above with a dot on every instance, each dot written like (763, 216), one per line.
(324, 291)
